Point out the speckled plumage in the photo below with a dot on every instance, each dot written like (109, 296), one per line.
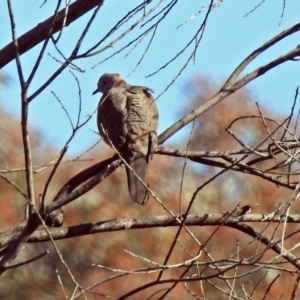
(127, 121)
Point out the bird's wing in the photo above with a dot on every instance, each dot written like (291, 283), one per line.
(142, 120)
(112, 116)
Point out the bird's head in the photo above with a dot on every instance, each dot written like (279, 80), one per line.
(107, 81)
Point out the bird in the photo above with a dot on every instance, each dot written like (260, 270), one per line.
(127, 120)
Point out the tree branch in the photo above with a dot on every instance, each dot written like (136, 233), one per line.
(41, 31)
(215, 219)
(232, 85)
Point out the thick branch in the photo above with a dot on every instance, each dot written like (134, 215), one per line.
(216, 219)
(142, 223)
(16, 241)
(69, 192)
(41, 31)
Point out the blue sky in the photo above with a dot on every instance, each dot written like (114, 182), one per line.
(229, 37)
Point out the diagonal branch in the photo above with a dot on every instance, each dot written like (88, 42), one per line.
(41, 31)
(232, 85)
(70, 191)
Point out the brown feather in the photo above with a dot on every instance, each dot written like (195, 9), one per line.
(127, 121)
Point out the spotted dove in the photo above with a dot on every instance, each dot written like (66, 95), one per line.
(127, 120)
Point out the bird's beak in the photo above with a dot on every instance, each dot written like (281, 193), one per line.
(95, 92)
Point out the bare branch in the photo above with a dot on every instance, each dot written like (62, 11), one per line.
(231, 86)
(12, 266)
(41, 31)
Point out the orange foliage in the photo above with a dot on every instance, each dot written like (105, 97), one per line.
(110, 200)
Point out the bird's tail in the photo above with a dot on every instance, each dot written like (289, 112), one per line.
(138, 193)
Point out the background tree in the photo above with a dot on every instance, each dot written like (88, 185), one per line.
(196, 237)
